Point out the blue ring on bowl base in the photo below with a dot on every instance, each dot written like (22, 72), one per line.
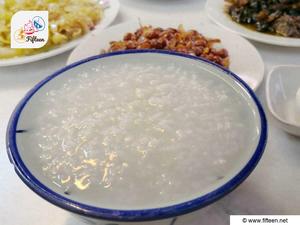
(129, 215)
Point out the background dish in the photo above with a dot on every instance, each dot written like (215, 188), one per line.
(282, 87)
(239, 49)
(110, 14)
(215, 10)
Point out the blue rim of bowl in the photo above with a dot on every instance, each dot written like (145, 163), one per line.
(129, 215)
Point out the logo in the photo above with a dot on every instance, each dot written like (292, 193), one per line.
(29, 29)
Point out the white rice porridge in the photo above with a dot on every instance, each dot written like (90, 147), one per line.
(140, 136)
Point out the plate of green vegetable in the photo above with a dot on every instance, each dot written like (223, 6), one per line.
(275, 22)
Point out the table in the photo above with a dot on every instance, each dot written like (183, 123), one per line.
(273, 188)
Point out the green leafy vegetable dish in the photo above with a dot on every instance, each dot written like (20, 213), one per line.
(278, 17)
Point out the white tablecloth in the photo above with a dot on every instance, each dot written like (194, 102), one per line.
(273, 188)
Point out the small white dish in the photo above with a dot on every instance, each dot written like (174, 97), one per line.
(215, 10)
(110, 14)
(243, 55)
(283, 96)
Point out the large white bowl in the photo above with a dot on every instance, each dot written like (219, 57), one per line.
(23, 156)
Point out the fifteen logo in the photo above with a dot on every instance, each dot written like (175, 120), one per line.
(29, 29)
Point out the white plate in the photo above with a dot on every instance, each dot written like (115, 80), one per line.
(242, 54)
(215, 10)
(110, 14)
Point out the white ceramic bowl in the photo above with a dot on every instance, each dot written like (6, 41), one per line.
(282, 89)
(22, 155)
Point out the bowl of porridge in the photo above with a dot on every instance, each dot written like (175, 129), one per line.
(137, 137)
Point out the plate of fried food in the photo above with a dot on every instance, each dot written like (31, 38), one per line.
(273, 22)
(69, 22)
(201, 38)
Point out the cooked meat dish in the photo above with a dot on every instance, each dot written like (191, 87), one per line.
(281, 17)
(189, 42)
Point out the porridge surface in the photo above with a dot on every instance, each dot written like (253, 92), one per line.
(139, 136)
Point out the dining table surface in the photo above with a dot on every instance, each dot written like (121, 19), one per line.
(273, 188)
